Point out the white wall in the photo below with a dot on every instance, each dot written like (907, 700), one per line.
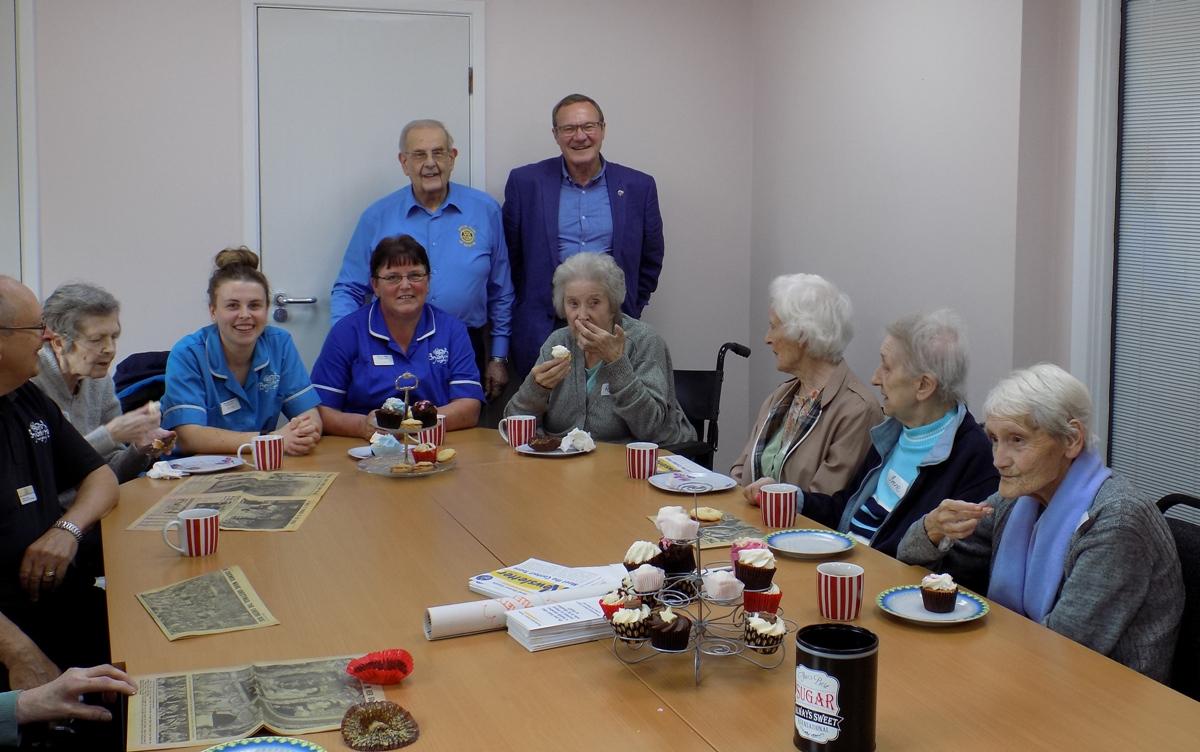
(882, 144)
(885, 159)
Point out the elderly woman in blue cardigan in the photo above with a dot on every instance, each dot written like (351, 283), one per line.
(1065, 542)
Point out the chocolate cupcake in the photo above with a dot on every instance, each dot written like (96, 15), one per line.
(678, 557)
(669, 629)
(632, 623)
(755, 567)
(643, 552)
(391, 414)
(939, 593)
(764, 632)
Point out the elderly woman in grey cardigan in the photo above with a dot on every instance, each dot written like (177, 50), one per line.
(604, 372)
(84, 323)
(1064, 542)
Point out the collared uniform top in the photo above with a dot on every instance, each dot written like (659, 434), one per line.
(201, 388)
(468, 257)
(42, 452)
(584, 215)
(359, 362)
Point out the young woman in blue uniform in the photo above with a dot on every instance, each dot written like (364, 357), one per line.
(231, 380)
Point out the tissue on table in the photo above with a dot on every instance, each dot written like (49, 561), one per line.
(577, 440)
(164, 470)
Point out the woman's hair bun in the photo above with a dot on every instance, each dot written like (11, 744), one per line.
(240, 256)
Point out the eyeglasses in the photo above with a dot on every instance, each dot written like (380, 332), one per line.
(439, 155)
(570, 130)
(38, 328)
(414, 278)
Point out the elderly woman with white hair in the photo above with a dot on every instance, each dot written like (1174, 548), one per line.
(1064, 542)
(614, 379)
(84, 322)
(813, 429)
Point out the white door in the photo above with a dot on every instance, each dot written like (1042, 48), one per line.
(334, 89)
(10, 203)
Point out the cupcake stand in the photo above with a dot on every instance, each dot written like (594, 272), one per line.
(718, 626)
(382, 465)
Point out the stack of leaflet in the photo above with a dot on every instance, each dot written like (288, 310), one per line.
(534, 576)
(555, 624)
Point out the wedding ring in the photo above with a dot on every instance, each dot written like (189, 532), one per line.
(49, 575)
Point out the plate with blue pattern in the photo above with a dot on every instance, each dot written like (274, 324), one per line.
(267, 744)
(692, 483)
(809, 544)
(905, 603)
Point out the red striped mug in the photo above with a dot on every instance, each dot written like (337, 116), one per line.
(640, 459)
(198, 530)
(517, 430)
(839, 590)
(267, 451)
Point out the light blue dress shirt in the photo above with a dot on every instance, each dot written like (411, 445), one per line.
(584, 216)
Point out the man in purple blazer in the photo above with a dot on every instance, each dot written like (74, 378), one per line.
(572, 203)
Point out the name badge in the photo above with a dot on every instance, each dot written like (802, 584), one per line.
(230, 406)
(26, 495)
(604, 390)
(896, 483)
(383, 360)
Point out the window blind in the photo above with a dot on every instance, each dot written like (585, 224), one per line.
(1155, 415)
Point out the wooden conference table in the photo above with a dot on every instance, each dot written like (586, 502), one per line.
(376, 551)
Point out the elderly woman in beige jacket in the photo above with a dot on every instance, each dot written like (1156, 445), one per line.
(813, 430)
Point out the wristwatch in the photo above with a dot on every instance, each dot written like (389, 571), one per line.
(71, 528)
(497, 359)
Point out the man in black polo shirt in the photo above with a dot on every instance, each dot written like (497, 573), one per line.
(53, 616)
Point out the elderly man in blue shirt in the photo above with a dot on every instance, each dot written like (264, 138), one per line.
(461, 230)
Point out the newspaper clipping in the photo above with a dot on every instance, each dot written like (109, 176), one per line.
(220, 601)
(276, 501)
(218, 705)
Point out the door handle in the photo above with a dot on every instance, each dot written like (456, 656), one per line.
(282, 301)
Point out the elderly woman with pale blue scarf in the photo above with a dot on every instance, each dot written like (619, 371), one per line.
(1065, 541)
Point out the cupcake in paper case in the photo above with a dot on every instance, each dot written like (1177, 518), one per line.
(666, 512)
(617, 600)
(632, 623)
(680, 528)
(764, 632)
(722, 586)
(938, 593)
(766, 601)
(679, 557)
(669, 629)
(647, 580)
(755, 567)
(740, 543)
(642, 552)
(391, 413)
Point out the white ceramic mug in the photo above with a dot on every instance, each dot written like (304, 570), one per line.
(518, 429)
(198, 529)
(267, 452)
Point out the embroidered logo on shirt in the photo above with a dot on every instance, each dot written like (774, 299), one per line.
(39, 431)
(466, 235)
(269, 382)
(439, 355)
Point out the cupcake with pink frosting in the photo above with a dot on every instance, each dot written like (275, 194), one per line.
(740, 543)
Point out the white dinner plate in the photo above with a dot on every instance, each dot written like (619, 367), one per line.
(809, 544)
(359, 453)
(206, 463)
(267, 744)
(905, 603)
(530, 451)
(692, 483)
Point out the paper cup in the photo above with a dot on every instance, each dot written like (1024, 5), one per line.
(198, 530)
(518, 429)
(778, 504)
(435, 434)
(266, 451)
(839, 590)
(640, 459)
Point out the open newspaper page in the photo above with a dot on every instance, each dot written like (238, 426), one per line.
(220, 601)
(219, 705)
(276, 501)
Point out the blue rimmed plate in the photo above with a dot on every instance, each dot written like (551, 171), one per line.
(809, 544)
(267, 744)
(905, 603)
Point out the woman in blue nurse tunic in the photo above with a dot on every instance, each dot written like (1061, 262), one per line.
(396, 333)
(231, 380)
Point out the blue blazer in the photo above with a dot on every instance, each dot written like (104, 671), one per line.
(531, 231)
